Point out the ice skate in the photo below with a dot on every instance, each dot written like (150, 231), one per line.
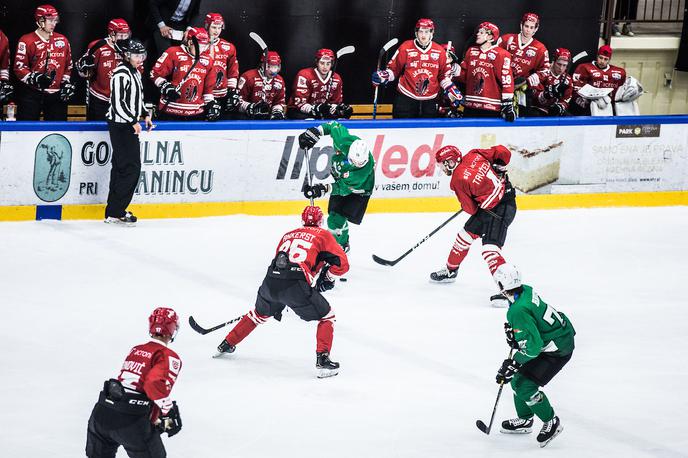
(127, 220)
(444, 275)
(224, 349)
(549, 431)
(499, 301)
(325, 366)
(346, 247)
(517, 426)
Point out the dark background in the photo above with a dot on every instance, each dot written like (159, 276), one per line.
(297, 28)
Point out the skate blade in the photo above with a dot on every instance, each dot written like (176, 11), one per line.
(116, 222)
(325, 373)
(447, 280)
(519, 431)
(556, 433)
(221, 355)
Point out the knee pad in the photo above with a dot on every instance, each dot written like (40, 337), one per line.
(256, 317)
(329, 316)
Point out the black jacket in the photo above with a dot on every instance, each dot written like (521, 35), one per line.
(162, 11)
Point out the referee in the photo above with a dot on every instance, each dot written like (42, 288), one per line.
(126, 108)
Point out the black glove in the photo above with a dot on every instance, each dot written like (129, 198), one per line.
(499, 167)
(233, 100)
(560, 89)
(85, 63)
(344, 111)
(549, 92)
(556, 110)
(213, 110)
(510, 339)
(277, 115)
(324, 282)
(507, 371)
(67, 90)
(170, 423)
(322, 110)
(309, 138)
(315, 192)
(6, 91)
(259, 110)
(508, 112)
(169, 91)
(454, 113)
(519, 82)
(41, 80)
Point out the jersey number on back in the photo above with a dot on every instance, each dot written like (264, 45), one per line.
(297, 249)
(550, 313)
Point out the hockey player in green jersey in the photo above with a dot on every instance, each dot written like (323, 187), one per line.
(543, 339)
(353, 170)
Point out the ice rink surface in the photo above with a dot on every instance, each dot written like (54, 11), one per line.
(418, 359)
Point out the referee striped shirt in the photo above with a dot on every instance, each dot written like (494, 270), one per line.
(126, 95)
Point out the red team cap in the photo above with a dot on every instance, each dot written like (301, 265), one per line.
(446, 153)
(531, 17)
(605, 50)
(425, 23)
(562, 53)
(44, 11)
(312, 216)
(324, 54)
(214, 18)
(163, 322)
(118, 25)
(199, 33)
(490, 27)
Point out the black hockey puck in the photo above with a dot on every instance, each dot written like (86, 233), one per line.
(342, 279)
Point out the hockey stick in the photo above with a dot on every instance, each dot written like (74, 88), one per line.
(310, 176)
(385, 262)
(203, 331)
(197, 57)
(340, 52)
(383, 50)
(479, 423)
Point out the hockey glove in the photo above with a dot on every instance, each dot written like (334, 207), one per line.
(170, 423)
(381, 77)
(510, 339)
(41, 80)
(454, 95)
(499, 168)
(507, 371)
(325, 282)
(6, 91)
(213, 110)
(344, 111)
(321, 110)
(316, 191)
(67, 90)
(259, 110)
(233, 100)
(169, 91)
(309, 138)
(507, 111)
(520, 81)
(85, 64)
(277, 115)
(556, 110)
(550, 92)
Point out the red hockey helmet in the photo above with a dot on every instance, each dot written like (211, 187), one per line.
(605, 50)
(324, 53)
(118, 25)
(312, 216)
(425, 23)
(163, 322)
(490, 27)
(446, 153)
(200, 34)
(452, 48)
(272, 58)
(45, 11)
(561, 53)
(531, 17)
(214, 18)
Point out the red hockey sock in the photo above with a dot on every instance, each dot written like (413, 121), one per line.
(492, 255)
(325, 333)
(460, 249)
(244, 327)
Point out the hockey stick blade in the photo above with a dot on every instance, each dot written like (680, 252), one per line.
(384, 262)
(482, 426)
(345, 50)
(255, 37)
(389, 44)
(579, 56)
(196, 327)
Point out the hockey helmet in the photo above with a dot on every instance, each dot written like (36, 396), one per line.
(490, 27)
(199, 34)
(214, 19)
(507, 277)
(446, 153)
(312, 216)
(163, 322)
(451, 48)
(324, 54)
(119, 28)
(358, 153)
(561, 53)
(605, 50)
(45, 11)
(531, 17)
(425, 23)
(271, 59)
(131, 46)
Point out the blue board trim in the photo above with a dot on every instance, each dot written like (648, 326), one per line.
(48, 212)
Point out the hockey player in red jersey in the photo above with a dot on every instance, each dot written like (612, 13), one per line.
(486, 72)
(262, 90)
(450, 101)
(186, 77)
(318, 91)
(551, 88)
(306, 262)
(599, 74)
(97, 64)
(421, 67)
(480, 183)
(135, 408)
(224, 56)
(6, 89)
(43, 64)
(528, 55)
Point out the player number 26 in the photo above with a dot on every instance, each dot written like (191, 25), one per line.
(297, 249)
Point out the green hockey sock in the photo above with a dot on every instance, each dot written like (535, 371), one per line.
(339, 226)
(540, 406)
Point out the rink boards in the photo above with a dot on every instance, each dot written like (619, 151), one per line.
(61, 170)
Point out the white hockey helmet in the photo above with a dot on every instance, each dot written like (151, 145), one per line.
(358, 153)
(507, 277)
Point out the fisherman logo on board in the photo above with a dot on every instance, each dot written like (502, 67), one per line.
(52, 167)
